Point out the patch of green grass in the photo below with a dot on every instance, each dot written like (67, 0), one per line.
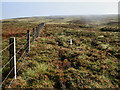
(91, 62)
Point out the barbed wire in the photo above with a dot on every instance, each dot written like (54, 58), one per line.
(13, 68)
(7, 76)
(21, 48)
(22, 55)
(21, 38)
(17, 61)
(6, 48)
(12, 57)
(11, 82)
(6, 64)
(17, 71)
(22, 63)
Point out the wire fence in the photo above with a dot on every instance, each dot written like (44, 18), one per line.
(6, 64)
(6, 48)
(21, 48)
(12, 50)
(13, 56)
(17, 71)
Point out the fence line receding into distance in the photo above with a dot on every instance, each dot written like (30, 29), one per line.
(12, 51)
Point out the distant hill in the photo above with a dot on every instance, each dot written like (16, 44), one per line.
(75, 19)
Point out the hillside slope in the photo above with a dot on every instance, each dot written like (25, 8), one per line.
(91, 62)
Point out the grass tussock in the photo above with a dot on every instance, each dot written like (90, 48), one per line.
(91, 62)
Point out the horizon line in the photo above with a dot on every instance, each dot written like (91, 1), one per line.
(57, 15)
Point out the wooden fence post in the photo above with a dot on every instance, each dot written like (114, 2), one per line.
(33, 34)
(12, 51)
(38, 29)
(36, 32)
(45, 28)
(28, 41)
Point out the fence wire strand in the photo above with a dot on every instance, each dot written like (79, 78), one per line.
(7, 75)
(6, 48)
(17, 60)
(12, 68)
(22, 55)
(21, 38)
(11, 82)
(21, 48)
(6, 64)
(17, 71)
(22, 63)
(12, 57)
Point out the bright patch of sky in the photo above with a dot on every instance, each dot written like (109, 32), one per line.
(29, 9)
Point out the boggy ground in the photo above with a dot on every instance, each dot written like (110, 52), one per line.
(91, 62)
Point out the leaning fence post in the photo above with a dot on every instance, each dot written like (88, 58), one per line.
(33, 34)
(12, 51)
(28, 41)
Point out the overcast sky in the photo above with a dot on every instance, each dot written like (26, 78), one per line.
(59, 0)
(28, 9)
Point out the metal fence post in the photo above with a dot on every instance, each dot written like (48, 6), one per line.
(33, 34)
(71, 42)
(12, 51)
(28, 41)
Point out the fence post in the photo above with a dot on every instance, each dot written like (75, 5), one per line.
(36, 32)
(12, 51)
(38, 29)
(71, 42)
(33, 34)
(45, 28)
(28, 41)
